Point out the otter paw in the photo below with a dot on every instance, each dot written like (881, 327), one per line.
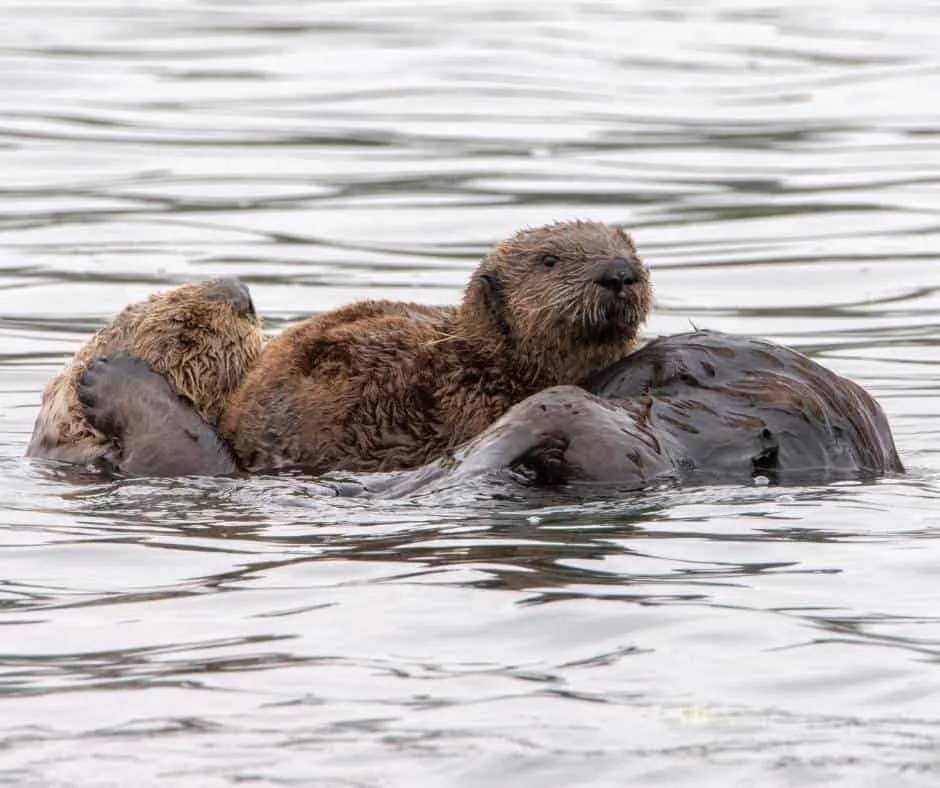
(108, 391)
(92, 393)
(547, 459)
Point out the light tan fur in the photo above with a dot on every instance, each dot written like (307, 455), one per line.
(202, 336)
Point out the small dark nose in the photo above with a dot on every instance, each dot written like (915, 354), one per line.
(235, 292)
(616, 275)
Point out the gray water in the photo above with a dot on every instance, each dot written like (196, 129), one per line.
(779, 165)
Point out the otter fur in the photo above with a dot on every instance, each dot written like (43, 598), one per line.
(382, 385)
(203, 337)
(697, 408)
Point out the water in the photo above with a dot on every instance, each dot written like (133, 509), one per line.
(779, 164)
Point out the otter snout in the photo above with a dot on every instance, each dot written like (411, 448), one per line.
(616, 275)
(234, 291)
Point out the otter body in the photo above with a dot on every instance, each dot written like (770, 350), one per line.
(381, 385)
(202, 336)
(703, 407)
(739, 407)
(700, 408)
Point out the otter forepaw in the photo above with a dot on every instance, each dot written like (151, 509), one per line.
(94, 392)
(155, 433)
(112, 389)
(547, 459)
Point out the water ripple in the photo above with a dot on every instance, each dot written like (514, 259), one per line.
(778, 165)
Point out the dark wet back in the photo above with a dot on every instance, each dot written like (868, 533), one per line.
(744, 406)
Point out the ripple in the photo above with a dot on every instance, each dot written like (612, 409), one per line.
(777, 164)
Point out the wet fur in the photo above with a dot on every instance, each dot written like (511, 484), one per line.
(202, 336)
(701, 408)
(741, 406)
(704, 407)
(381, 385)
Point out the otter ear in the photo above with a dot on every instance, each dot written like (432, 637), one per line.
(491, 286)
(491, 289)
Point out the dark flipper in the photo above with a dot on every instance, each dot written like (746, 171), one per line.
(154, 432)
(559, 435)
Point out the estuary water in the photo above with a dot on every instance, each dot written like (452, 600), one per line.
(779, 166)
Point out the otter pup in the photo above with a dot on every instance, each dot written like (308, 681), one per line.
(202, 336)
(380, 385)
(703, 407)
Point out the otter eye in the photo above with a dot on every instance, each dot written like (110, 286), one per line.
(549, 260)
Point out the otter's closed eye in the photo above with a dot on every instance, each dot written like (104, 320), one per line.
(549, 260)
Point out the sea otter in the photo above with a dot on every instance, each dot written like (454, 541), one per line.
(383, 385)
(702, 407)
(202, 336)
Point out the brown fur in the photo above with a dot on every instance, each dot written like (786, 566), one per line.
(381, 385)
(202, 336)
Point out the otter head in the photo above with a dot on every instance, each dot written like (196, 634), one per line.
(202, 336)
(563, 300)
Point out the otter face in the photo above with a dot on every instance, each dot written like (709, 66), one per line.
(571, 294)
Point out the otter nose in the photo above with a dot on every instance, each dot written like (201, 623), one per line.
(616, 275)
(234, 291)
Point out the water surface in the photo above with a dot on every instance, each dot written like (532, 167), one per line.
(779, 165)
